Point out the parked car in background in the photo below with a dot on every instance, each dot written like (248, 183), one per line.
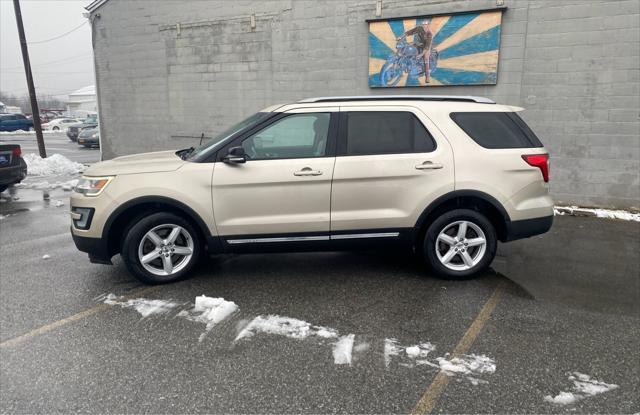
(74, 129)
(13, 168)
(15, 122)
(90, 137)
(60, 124)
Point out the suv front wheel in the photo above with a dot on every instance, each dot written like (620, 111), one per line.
(459, 244)
(160, 248)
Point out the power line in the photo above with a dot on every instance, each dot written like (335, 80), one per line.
(65, 60)
(59, 36)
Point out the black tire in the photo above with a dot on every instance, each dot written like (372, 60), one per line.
(429, 244)
(134, 235)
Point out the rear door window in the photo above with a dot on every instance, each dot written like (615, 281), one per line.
(386, 132)
(496, 130)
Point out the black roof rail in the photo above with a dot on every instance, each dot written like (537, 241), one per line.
(460, 98)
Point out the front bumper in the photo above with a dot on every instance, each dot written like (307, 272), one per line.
(13, 174)
(526, 228)
(97, 248)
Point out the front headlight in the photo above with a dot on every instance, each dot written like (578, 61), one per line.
(92, 186)
(95, 135)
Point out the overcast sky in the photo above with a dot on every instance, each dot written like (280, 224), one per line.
(59, 66)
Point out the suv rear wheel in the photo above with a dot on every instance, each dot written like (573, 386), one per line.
(459, 244)
(160, 248)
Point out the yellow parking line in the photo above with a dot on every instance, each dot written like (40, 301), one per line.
(59, 323)
(431, 396)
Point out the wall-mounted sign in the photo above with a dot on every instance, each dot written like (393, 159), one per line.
(454, 49)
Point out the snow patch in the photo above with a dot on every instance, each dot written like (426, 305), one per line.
(210, 311)
(54, 164)
(46, 256)
(600, 213)
(143, 306)
(22, 132)
(59, 203)
(583, 387)
(563, 398)
(342, 350)
(420, 351)
(467, 365)
(391, 349)
(284, 326)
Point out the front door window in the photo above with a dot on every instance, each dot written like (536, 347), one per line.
(295, 136)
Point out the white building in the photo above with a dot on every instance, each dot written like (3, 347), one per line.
(82, 101)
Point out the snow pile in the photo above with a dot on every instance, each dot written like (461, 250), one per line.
(46, 256)
(143, 306)
(600, 213)
(284, 326)
(342, 350)
(44, 185)
(55, 164)
(209, 311)
(583, 387)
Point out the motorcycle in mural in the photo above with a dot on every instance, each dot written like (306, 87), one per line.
(407, 59)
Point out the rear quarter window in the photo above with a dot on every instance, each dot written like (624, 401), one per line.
(496, 130)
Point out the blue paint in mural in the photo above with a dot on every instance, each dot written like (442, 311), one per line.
(397, 27)
(378, 49)
(482, 42)
(454, 24)
(440, 50)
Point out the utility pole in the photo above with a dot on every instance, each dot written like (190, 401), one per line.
(32, 90)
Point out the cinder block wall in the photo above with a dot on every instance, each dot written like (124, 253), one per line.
(574, 64)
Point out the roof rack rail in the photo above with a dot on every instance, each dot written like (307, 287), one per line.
(463, 98)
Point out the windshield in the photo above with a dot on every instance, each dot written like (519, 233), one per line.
(247, 122)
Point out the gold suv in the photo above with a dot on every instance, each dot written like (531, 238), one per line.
(447, 176)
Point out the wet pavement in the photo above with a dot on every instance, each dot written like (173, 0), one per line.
(563, 302)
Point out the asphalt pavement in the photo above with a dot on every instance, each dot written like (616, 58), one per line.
(552, 305)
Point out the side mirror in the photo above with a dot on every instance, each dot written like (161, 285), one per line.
(235, 155)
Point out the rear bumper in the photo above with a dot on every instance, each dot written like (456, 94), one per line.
(97, 248)
(526, 228)
(13, 174)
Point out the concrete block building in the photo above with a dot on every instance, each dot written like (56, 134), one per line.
(168, 71)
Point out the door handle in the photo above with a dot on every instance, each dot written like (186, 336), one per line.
(428, 165)
(307, 172)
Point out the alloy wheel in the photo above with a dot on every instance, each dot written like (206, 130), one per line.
(461, 245)
(165, 250)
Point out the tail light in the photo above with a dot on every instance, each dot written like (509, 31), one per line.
(17, 152)
(540, 161)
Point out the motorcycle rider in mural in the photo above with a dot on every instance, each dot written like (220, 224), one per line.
(423, 36)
